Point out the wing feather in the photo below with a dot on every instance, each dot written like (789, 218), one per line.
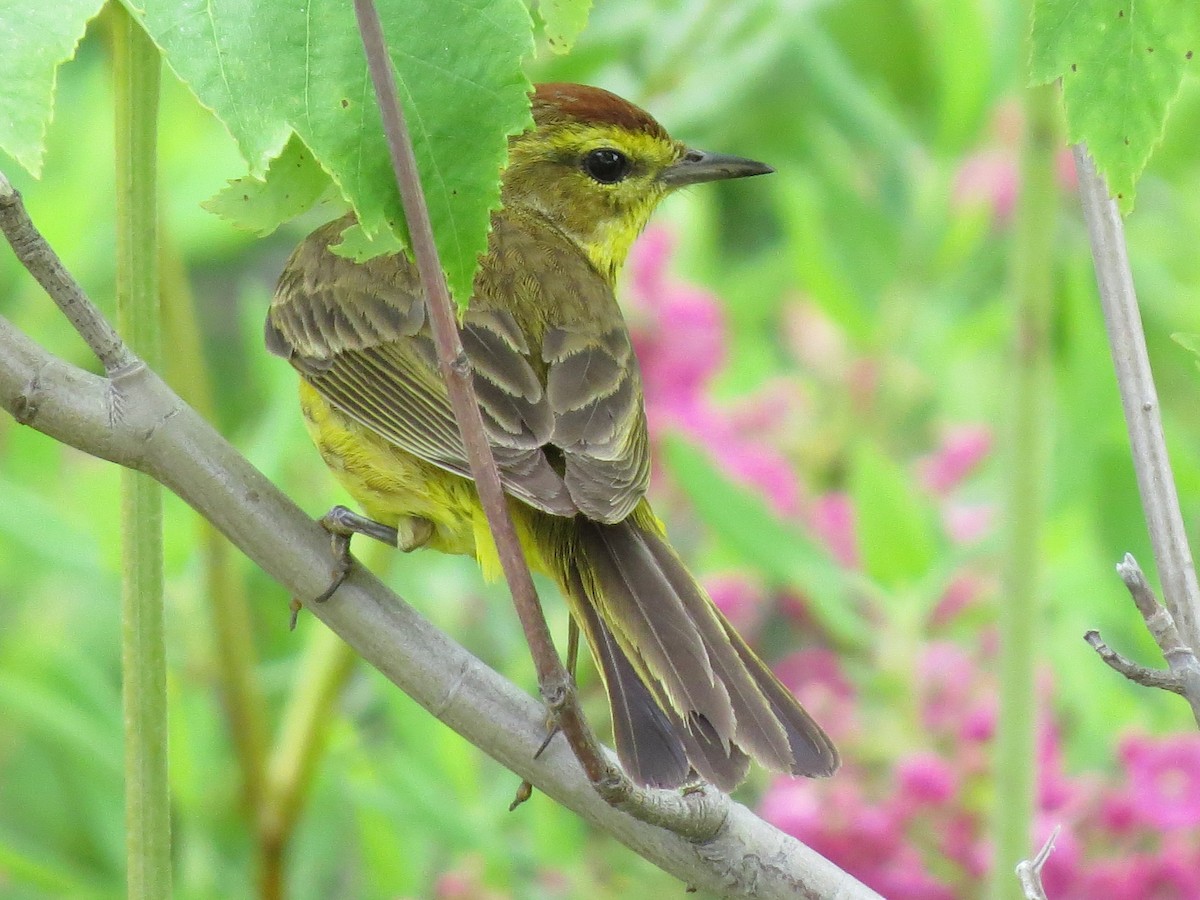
(555, 375)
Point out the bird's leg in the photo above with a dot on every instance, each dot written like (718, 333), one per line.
(342, 524)
(525, 789)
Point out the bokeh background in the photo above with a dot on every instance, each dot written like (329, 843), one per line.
(828, 365)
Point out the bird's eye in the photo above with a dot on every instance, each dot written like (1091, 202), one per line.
(606, 165)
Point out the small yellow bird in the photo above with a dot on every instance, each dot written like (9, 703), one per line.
(561, 396)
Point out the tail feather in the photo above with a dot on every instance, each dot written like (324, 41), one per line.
(813, 754)
(681, 681)
(722, 764)
(633, 597)
(648, 743)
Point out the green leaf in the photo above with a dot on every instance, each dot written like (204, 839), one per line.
(1121, 64)
(357, 245)
(35, 39)
(741, 520)
(268, 68)
(292, 183)
(563, 21)
(895, 525)
(1189, 342)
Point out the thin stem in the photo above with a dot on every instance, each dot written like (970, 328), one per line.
(1029, 871)
(235, 661)
(1031, 279)
(143, 655)
(40, 260)
(327, 665)
(556, 686)
(1139, 399)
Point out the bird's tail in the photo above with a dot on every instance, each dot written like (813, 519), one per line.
(685, 690)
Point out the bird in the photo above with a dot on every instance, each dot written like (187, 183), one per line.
(561, 397)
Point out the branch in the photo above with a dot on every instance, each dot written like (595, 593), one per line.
(553, 680)
(1183, 675)
(1156, 484)
(44, 265)
(134, 419)
(1029, 871)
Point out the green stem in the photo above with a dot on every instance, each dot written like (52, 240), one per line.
(143, 657)
(233, 633)
(1031, 282)
(327, 665)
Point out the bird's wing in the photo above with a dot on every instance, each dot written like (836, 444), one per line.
(357, 333)
(594, 389)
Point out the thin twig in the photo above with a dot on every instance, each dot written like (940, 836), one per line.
(556, 686)
(1156, 484)
(43, 264)
(1143, 675)
(1029, 871)
(1183, 675)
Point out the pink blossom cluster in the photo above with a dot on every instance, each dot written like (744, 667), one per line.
(915, 826)
(908, 812)
(679, 335)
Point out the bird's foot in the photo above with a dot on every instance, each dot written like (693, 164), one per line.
(342, 524)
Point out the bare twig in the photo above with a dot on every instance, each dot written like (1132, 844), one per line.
(556, 686)
(1183, 675)
(1160, 502)
(135, 420)
(1143, 675)
(44, 265)
(1029, 871)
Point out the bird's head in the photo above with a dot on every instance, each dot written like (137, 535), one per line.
(596, 166)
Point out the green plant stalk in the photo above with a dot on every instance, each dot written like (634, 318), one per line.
(136, 67)
(326, 666)
(1031, 283)
(235, 661)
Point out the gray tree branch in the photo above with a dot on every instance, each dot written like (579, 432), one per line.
(1156, 483)
(132, 418)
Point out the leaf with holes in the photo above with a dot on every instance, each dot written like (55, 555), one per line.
(1121, 64)
(271, 68)
(563, 21)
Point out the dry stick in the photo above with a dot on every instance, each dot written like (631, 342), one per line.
(1029, 871)
(43, 264)
(556, 687)
(1156, 484)
(1183, 675)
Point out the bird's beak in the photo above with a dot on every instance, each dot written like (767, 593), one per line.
(698, 166)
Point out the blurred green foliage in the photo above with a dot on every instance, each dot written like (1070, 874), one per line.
(874, 114)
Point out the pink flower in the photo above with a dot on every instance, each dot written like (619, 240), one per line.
(989, 178)
(749, 462)
(793, 806)
(814, 666)
(962, 449)
(961, 594)
(1164, 779)
(680, 343)
(947, 684)
(967, 523)
(832, 518)
(925, 779)
(903, 877)
(1062, 873)
(1118, 813)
